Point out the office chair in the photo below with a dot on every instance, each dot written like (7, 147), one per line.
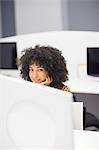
(90, 121)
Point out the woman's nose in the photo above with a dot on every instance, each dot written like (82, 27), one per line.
(35, 74)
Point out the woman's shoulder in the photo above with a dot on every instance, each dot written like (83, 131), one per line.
(64, 87)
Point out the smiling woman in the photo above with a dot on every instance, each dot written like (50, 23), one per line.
(38, 74)
(44, 65)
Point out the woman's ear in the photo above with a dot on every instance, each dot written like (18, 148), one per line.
(51, 79)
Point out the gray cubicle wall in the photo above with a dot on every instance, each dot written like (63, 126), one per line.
(80, 15)
(83, 15)
(7, 18)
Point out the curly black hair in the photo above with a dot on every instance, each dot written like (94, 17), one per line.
(49, 58)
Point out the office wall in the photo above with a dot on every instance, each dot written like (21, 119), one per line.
(0, 22)
(8, 18)
(83, 15)
(50, 15)
(65, 17)
(38, 16)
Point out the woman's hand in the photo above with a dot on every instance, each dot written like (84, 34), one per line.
(47, 81)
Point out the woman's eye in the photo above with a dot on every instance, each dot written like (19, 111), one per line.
(41, 69)
(31, 69)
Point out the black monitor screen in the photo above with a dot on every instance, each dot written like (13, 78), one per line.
(93, 61)
(8, 55)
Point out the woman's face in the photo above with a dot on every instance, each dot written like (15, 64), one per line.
(37, 73)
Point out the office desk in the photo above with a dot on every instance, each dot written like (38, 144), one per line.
(87, 91)
(86, 140)
(84, 85)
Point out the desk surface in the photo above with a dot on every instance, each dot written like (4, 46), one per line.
(81, 85)
(86, 140)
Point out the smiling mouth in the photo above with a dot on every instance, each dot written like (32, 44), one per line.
(38, 81)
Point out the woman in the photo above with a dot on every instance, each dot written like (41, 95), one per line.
(44, 65)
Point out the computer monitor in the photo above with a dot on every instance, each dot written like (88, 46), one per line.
(93, 61)
(8, 55)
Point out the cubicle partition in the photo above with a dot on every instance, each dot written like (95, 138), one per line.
(34, 117)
